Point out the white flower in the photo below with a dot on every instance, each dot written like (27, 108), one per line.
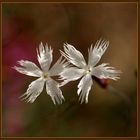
(86, 71)
(44, 55)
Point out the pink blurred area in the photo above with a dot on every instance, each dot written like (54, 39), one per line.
(16, 46)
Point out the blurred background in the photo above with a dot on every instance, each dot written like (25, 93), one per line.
(112, 107)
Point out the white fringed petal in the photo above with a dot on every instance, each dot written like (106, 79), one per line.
(58, 67)
(52, 89)
(28, 68)
(74, 56)
(104, 72)
(44, 56)
(84, 88)
(96, 53)
(71, 74)
(34, 90)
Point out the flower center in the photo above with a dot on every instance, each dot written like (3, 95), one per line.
(88, 70)
(45, 75)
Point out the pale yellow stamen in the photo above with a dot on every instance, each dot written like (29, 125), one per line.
(88, 71)
(45, 75)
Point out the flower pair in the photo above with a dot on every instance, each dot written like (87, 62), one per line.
(74, 69)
